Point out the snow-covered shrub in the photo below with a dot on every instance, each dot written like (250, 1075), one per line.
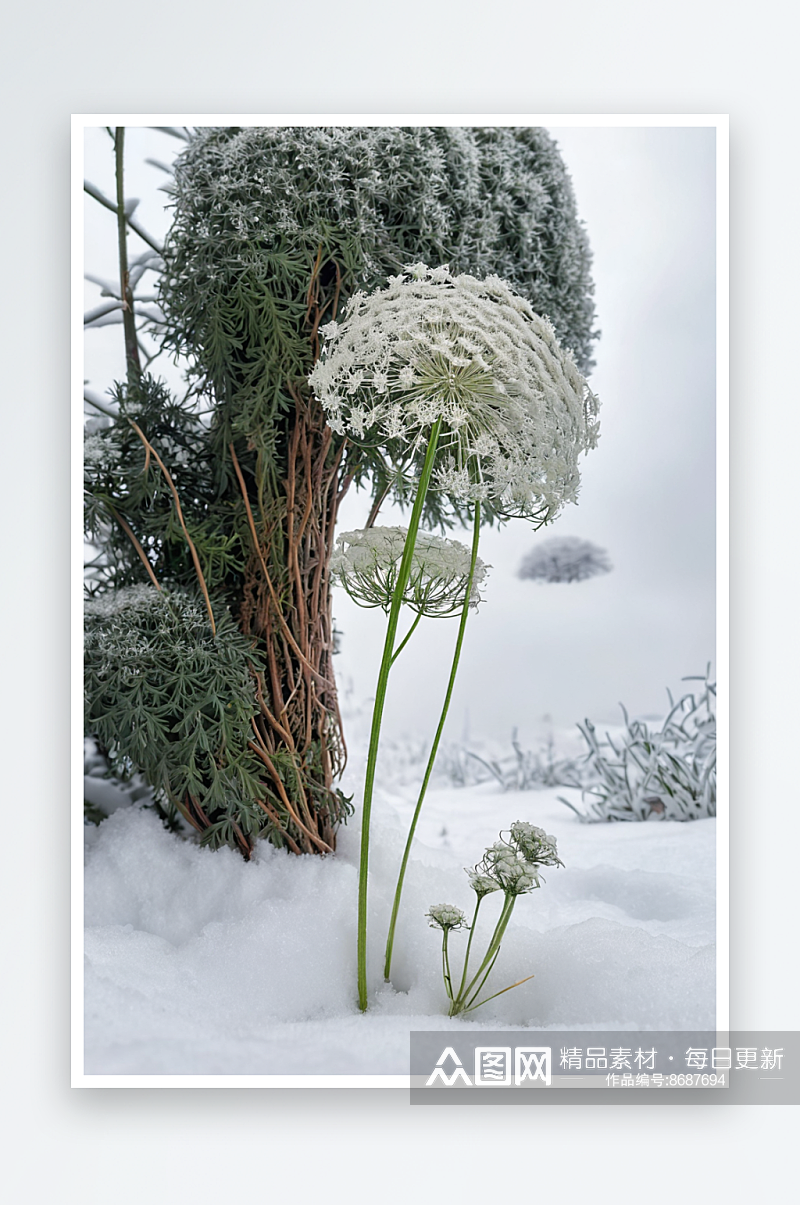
(256, 207)
(669, 773)
(564, 559)
(513, 866)
(169, 699)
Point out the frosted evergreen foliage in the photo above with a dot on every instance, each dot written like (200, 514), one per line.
(515, 410)
(255, 207)
(366, 563)
(123, 479)
(564, 559)
(168, 699)
(99, 453)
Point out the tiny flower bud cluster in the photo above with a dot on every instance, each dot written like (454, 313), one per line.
(446, 917)
(516, 412)
(512, 866)
(367, 563)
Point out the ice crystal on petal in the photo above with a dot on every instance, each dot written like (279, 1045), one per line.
(516, 412)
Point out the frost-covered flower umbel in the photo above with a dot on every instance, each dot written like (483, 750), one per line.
(564, 559)
(446, 917)
(482, 884)
(511, 871)
(513, 865)
(367, 563)
(516, 412)
(534, 844)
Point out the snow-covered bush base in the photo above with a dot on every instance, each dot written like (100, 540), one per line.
(200, 963)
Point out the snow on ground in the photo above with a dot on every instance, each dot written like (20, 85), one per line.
(199, 963)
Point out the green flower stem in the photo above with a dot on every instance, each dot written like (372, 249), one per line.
(406, 638)
(469, 946)
(380, 700)
(466, 997)
(435, 747)
(448, 983)
(463, 1005)
(471, 1007)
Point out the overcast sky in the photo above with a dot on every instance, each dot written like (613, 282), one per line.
(647, 196)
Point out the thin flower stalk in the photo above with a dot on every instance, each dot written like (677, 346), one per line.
(447, 918)
(407, 636)
(380, 700)
(465, 999)
(436, 740)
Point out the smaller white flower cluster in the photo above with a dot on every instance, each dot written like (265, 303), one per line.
(446, 917)
(367, 563)
(535, 845)
(512, 865)
(515, 411)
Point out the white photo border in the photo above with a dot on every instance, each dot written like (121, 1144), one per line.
(80, 122)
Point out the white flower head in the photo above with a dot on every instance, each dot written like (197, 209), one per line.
(513, 866)
(512, 873)
(446, 917)
(482, 884)
(516, 412)
(367, 564)
(536, 846)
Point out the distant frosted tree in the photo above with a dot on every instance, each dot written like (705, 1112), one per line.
(564, 559)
